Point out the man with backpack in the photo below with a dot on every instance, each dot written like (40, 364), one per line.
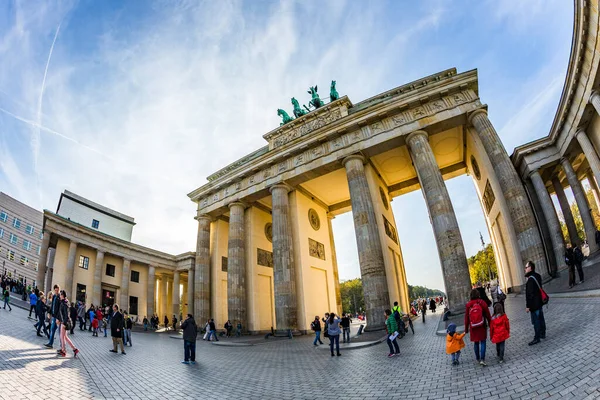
(534, 302)
(477, 319)
(397, 313)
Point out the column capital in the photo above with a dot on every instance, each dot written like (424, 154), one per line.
(281, 185)
(533, 172)
(204, 217)
(580, 132)
(474, 113)
(565, 160)
(414, 134)
(354, 157)
(236, 204)
(126, 260)
(330, 215)
(594, 96)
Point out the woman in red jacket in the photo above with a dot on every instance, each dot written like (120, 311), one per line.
(499, 330)
(477, 316)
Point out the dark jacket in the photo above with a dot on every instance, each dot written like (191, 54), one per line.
(316, 325)
(578, 255)
(533, 297)
(128, 323)
(483, 296)
(345, 322)
(116, 323)
(63, 310)
(40, 309)
(73, 313)
(54, 306)
(190, 330)
(569, 257)
(212, 326)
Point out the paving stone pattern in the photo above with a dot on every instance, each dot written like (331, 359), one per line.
(563, 366)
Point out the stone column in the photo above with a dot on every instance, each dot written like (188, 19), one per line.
(41, 272)
(566, 211)
(595, 100)
(190, 292)
(236, 266)
(202, 273)
(163, 298)
(582, 204)
(175, 299)
(334, 265)
(50, 270)
(125, 276)
(70, 268)
(97, 284)
(519, 208)
(453, 258)
(370, 253)
(594, 186)
(150, 294)
(284, 271)
(590, 152)
(556, 235)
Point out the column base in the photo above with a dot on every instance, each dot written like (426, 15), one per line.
(287, 333)
(368, 328)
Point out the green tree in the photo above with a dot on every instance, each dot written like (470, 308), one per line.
(353, 299)
(577, 217)
(481, 264)
(416, 292)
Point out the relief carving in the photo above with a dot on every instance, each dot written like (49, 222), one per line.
(316, 249)
(307, 128)
(399, 119)
(264, 258)
(376, 127)
(419, 112)
(390, 230)
(488, 197)
(224, 264)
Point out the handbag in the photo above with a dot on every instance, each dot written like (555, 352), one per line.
(545, 297)
(68, 324)
(326, 333)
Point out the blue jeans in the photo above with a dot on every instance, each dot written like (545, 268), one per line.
(500, 350)
(41, 325)
(6, 303)
(212, 333)
(346, 335)
(336, 339)
(455, 356)
(476, 346)
(189, 350)
(52, 331)
(539, 323)
(127, 333)
(317, 337)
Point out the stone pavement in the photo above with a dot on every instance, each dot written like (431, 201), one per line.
(563, 366)
(591, 275)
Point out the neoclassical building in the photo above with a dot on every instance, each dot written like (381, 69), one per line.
(265, 253)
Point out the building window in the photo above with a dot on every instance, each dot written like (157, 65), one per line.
(41, 235)
(95, 223)
(39, 250)
(84, 262)
(16, 222)
(29, 229)
(36, 266)
(26, 245)
(13, 238)
(24, 261)
(135, 276)
(3, 216)
(10, 255)
(110, 270)
(133, 305)
(1, 233)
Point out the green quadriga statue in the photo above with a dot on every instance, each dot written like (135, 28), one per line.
(333, 94)
(298, 112)
(285, 116)
(316, 102)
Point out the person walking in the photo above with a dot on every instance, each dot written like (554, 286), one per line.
(72, 317)
(477, 316)
(40, 312)
(578, 254)
(54, 307)
(333, 330)
(145, 322)
(345, 328)
(534, 303)
(392, 330)
(570, 261)
(190, 332)
(127, 330)
(81, 316)
(33, 298)
(66, 325)
(432, 305)
(499, 330)
(7, 299)
(212, 330)
(90, 315)
(454, 343)
(116, 330)
(316, 327)
(423, 309)
(174, 323)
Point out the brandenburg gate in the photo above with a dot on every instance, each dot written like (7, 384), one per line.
(265, 251)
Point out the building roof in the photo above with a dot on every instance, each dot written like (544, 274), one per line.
(95, 206)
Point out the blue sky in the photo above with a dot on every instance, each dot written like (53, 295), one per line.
(140, 101)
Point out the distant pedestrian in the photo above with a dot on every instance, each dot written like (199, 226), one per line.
(238, 331)
(32, 302)
(7, 299)
(94, 325)
(145, 322)
(212, 330)
(116, 330)
(104, 325)
(81, 316)
(570, 261)
(174, 323)
(578, 262)
(432, 305)
(423, 306)
(40, 312)
(392, 333)
(345, 328)
(499, 330)
(166, 321)
(316, 327)
(73, 317)
(483, 295)
(534, 302)
(454, 343)
(127, 330)
(228, 328)
(206, 329)
(477, 316)
(333, 330)
(190, 332)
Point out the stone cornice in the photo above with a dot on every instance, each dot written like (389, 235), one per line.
(390, 112)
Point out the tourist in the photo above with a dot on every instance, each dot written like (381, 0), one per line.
(477, 314)
(333, 330)
(392, 330)
(7, 299)
(128, 326)
(498, 295)
(397, 313)
(73, 317)
(81, 316)
(89, 314)
(483, 295)
(166, 320)
(238, 331)
(92, 317)
(40, 312)
(206, 329)
(145, 322)
(190, 332)
(33, 298)
(534, 303)
(99, 316)
(454, 343)
(432, 305)
(212, 330)
(95, 324)
(423, 307)
(116, 330)
(228, 328)
(54, 307)
(578, 261)
(499, 330)
(316, 327)
(104, 325)
(345, 328)
(66, 325)
(174, 323)
(570, 261)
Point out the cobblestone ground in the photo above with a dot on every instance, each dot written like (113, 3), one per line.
(565, 365)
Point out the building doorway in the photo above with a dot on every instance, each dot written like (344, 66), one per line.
(80, 295)
(108, 298)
